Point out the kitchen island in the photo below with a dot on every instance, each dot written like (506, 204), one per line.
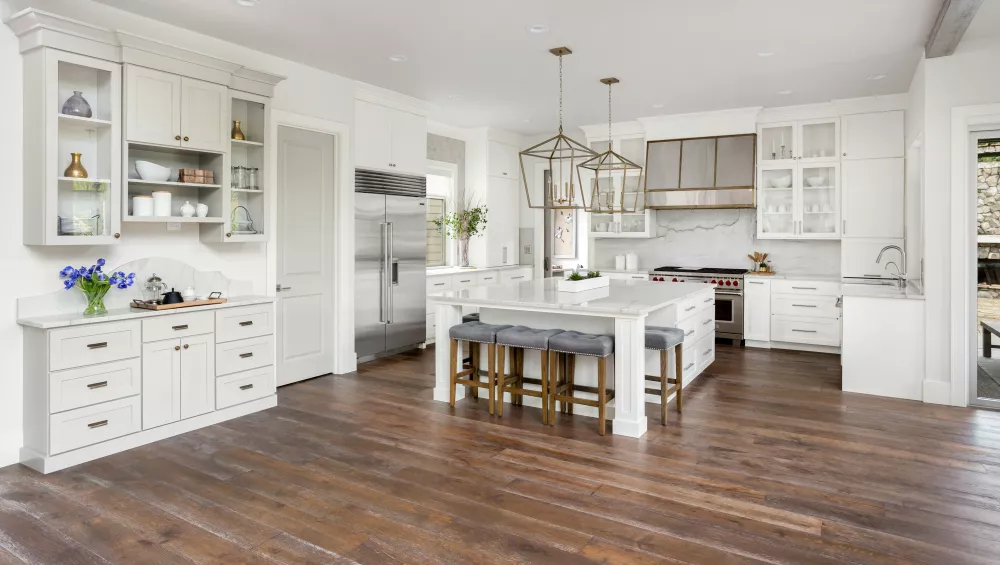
(623, 310)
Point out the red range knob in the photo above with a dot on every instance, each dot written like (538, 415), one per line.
(675, 279)
(736, 283)
(714, 281)
(682, 280)
(729, 283)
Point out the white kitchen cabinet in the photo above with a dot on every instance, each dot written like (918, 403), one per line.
(501, 238)
(388, 139)
(873, 201)
(757, 309)
(204, 115)
(503, 160)
(197, 375)
(799, 201)
(161, 383)
(152, 106)
(876, 135)
(626, 276)
(810, 141)
(637, 225)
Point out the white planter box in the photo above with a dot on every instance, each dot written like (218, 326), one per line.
(566, 285)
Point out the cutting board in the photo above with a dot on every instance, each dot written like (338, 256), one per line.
(146, 306)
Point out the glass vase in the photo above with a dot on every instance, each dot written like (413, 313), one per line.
(95, 301)
(77, 105)
(463, 252)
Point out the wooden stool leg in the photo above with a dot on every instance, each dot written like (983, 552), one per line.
(454, 369)
(520, 375)
(680, 375)
(664, 385)
(572, 381)
(491, 374)
(602, 393)
(474, 353)
(553, 385)
(501, 377)
(545, 387)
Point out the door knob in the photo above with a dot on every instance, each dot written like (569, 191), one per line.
(177, 137)
(186, 138)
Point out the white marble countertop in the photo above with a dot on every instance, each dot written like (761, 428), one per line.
(912, 291)
(620, 298)
(799, 277)
(120, 314)
(441, 271)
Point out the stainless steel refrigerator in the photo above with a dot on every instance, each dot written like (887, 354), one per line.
(390, 263)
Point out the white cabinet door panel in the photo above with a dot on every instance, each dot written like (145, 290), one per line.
(197, 375)
(409, 143)
(878, 135)
(372, 136)
(873, 198)
(503, 160)
(203, 115)
(161, 383)
(153, 106)
(757, 309)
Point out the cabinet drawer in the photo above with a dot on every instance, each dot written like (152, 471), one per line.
(489, 277)
(805, 306)
(236, 356)
(464, 280)
(810, 331)
(690, 328)
(515, 275)
(231, 390)
(232, 324)
(705, 351)
(93, 344)
(93, 424)
(438, 284)
(85, 386)
(814, 288)
(691, 306)
(177, 325)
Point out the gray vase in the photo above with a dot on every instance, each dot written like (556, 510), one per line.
(77, 106)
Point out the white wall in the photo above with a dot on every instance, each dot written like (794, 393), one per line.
(34, 270)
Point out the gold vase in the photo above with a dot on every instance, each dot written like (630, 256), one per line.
(75, 169)
(237, 132)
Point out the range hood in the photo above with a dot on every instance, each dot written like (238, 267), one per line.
(701, 172)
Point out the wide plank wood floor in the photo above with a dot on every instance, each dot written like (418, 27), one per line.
(770, 463)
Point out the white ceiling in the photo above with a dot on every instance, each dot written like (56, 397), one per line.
(986, 24)
(477, 63)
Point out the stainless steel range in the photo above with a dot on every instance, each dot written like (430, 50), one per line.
(728, 294)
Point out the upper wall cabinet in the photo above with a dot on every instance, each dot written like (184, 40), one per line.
(815, 141)
(72, 149)
(170, 110)
(877, 135)
(388, 139)
(504, 160)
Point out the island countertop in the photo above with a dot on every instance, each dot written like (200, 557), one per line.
(620, 298)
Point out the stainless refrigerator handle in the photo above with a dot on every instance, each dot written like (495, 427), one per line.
(381, 275)
(391, 265)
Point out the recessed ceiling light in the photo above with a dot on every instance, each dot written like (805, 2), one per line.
(784, 92)
(538, 28)
(657, 106)
(454, 96)
(248, 3)
(765, 53)
(397, 58)
(526, 120)
(877, 77)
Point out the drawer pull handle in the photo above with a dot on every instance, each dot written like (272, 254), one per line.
(804, 305)
(100, 424)
(706, 322)
(689, 333)
(465, 281)
(707, 300)
(250, 323)
(805, 331)
(804, 288)
(246, 387)
(101, 345)
(245, 355)
(179, 328)
(438, 284)
(515, 278)
(101, 384)
(689, 366)
(689, 309)
(755, 282)
(707, 351)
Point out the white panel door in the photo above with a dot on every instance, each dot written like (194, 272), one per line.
(373, 136)
(878, 135)
(203, 115)
(152, 106)
(305, 254)
(409, 143)
(873, 198)
(757, 309)
(197, 375)
(161, 383)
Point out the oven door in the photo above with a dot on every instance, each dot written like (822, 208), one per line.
(729, 314)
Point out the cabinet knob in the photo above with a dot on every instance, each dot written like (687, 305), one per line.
(186, 138)
(117, 235)
(177, 137)
(177, 348)
(186, 345)
(845, 154)
(229, 234)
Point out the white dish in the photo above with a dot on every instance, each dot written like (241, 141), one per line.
(816, 181)
(781, 182)
(151, 171)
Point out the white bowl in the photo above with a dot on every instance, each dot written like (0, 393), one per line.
(152, 171)
(816, 181)
(781, 182)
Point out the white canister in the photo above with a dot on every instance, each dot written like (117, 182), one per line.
(631, 261)
(187, 210)
(142, 206)
(161, 203)
(201, 210)
(619, 262)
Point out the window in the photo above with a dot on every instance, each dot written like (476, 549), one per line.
(437, 252)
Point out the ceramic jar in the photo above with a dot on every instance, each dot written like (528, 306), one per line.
(77, 105)
(187, 210)
(201, 210)
(161, 203)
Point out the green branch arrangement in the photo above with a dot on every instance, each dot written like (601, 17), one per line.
(465, 223)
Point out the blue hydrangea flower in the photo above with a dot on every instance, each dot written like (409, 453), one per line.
(68, 284)
(66, 271)
(101, 262)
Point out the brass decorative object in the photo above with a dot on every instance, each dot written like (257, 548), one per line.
(561, 155)
(237, 132)
(610, 175)
(75, 169)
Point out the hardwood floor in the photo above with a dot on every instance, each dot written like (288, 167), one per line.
(770, 463)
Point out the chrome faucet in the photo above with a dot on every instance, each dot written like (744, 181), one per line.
(900, 275)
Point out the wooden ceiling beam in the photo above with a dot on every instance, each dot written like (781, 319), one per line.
(952, 21)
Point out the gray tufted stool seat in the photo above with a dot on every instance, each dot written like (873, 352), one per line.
(475, 334)
(664, 339)
(517, 339)
(470, 318)
(563, 350)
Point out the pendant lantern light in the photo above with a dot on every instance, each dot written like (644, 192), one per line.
(560, 155)
(614, 181)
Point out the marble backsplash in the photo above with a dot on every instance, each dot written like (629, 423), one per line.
(717, 238)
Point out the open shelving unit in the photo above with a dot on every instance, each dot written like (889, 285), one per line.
(243, 201)
(175, 158)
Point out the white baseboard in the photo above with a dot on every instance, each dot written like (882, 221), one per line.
(804, 347)
(45, 465)
(937, 392)
(758, 344)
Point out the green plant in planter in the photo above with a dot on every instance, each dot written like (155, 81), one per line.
(576, 277)
(593, 274)
(462, 225)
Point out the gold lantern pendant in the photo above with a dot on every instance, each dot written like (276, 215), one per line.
(560, 155)
(615, 181)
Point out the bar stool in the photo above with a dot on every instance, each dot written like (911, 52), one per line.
(664, 339)
(517, 339)
(474, 317)
(563, 350)
(476, 333)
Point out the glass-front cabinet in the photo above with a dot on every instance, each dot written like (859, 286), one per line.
(820, 202)
(777, 202)
(799, 201)
(621, 225)
(72, 163)
(814, 141)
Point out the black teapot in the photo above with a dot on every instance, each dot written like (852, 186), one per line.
(172, 297)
